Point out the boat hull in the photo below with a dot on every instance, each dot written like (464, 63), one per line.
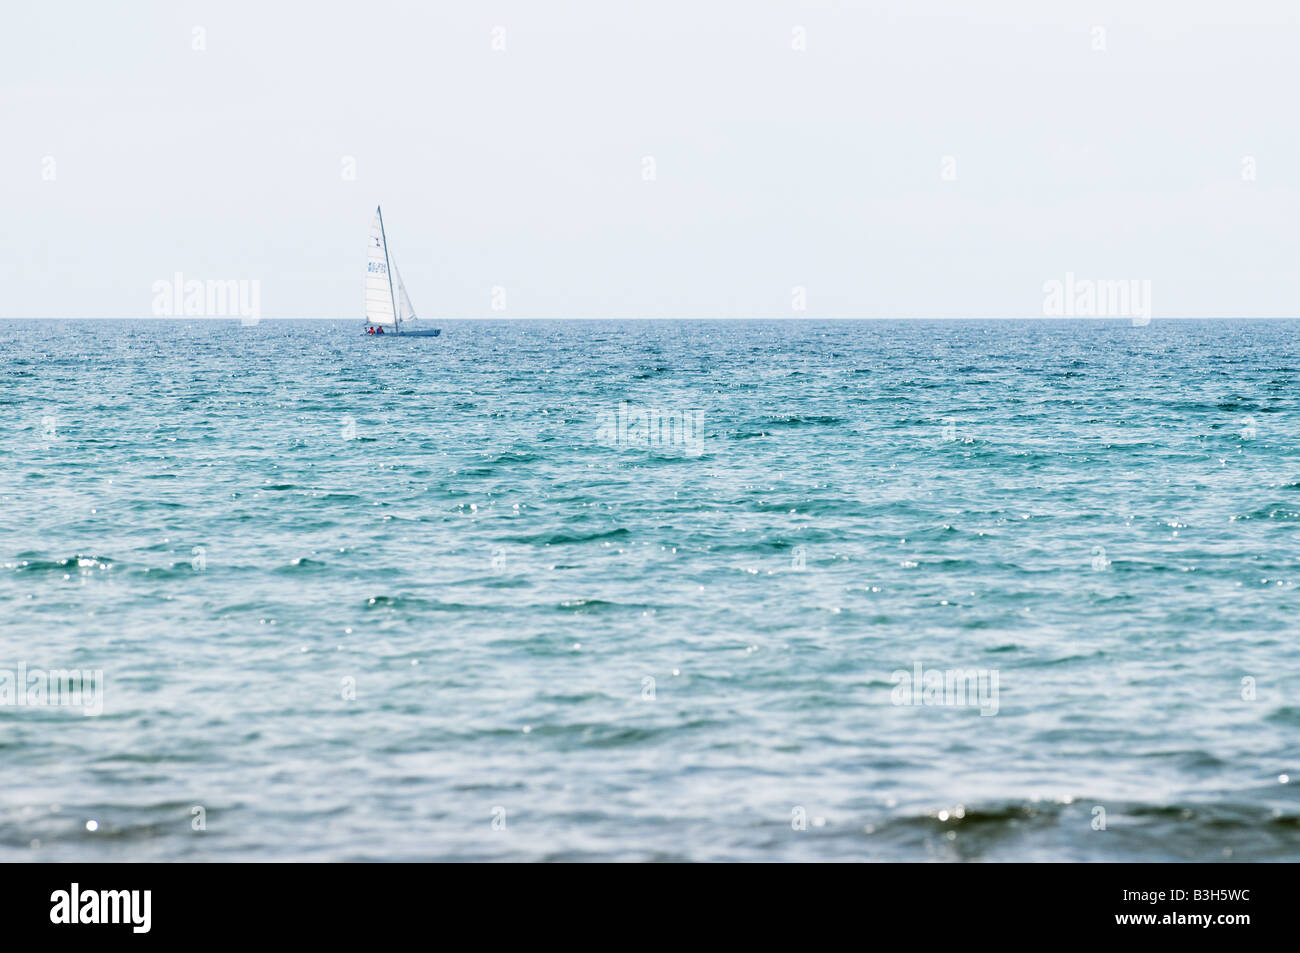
(431, 333)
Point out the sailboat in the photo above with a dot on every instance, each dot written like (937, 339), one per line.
(388, 307)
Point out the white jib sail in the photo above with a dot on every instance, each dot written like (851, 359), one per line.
(405, 312)
(379, 283)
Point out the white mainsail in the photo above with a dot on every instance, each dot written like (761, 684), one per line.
(379, 281)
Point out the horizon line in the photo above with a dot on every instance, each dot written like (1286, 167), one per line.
(1045, 318)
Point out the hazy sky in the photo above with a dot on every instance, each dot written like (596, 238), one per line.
(127, 155)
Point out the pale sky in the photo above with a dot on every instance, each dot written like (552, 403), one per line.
(127, 155)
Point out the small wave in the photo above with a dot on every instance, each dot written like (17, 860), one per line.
(1276, 512)
(81, 561)
(564, 539)
(586, 606)
(512, 456)
(1286, 715)
(802, 420)
(301, 564)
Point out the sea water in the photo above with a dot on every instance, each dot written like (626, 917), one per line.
(650, 590)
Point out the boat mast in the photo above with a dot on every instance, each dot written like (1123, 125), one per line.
(388, 265)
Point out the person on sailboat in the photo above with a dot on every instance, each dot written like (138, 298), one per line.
(381, 330)
(370, 330)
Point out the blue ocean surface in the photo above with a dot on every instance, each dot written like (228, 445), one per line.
(651, 590)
